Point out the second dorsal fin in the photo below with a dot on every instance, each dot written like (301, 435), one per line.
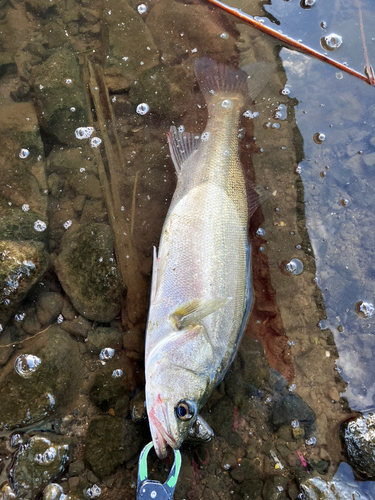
(181, 145)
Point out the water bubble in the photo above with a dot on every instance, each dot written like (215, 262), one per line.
(6, 302)
(1, 328)
(294, 424)
(47, 457)
(364, 309)
(53, 491)
(339, 75)
(298, 170)
(94, 491)
(106, 353)
(331, 42)
(311, 441)
(143, 108)
(95, 142)
(142, 8)
(26, 364)
(24, 153)
(15, 440)
(25, 207)
(319, 138)
(72, 109)
(344, 202)
(276, 125)
(292, 387)
(60, 319)
(323, 25)
(261, 232)
(83, 132)
(68, 81)
(281, 112)
(20, 317)
(226, 103)
(295, 266)
(181, 129)
(224, 35)
(307, 4)
(249, 114)
(67, 224)
(117, 373)
(205, 136)
(285, 91)
(40, 226)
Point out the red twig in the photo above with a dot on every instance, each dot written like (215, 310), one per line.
(289, 41)
(368, 67)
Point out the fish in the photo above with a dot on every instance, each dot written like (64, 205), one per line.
(201, 292)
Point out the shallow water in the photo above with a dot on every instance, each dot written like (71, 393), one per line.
(305, 363)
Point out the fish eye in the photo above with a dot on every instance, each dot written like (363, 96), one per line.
(185, 410)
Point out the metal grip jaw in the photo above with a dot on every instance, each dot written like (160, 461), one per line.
(148, 489)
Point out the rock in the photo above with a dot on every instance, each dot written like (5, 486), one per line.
(103, 337)
(67, 162)
(93, 211)
(76, 468)
(86, 184)
(7, 64)
(106, 390)
(131, 48)
(23, 182)
(88, 272)
(55, 382)
(49, 306)
(291, 407)
(110, 442)
(318, 489)
(138, 407)
(359, 438)
(36, 464)
(23, 264)
(58, 88)
(78, 326)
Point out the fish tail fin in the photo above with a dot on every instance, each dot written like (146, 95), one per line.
(215, 78)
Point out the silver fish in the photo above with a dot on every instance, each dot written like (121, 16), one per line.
(201, 288)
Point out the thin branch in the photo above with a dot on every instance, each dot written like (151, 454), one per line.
(368, 68)
(289, 41)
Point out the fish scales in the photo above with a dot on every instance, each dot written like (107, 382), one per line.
(201, 279)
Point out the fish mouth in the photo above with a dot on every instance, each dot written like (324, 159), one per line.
(160, 429)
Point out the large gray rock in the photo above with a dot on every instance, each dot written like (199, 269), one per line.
(359, 438)
(36, 464)
(88, 272)
(23, 264)
(59, 89)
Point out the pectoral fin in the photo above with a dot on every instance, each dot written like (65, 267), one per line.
(192, 312)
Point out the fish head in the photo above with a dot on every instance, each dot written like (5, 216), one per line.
(176, 389)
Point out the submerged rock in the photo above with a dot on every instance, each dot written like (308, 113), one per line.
(23, 264)
(36, 464)
(60, 96)
(53, 382)
(88, 272)
(110, 442)
(359, 438)
(131, 48)
(103, 337)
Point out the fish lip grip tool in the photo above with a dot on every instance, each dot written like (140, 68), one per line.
(148, 489)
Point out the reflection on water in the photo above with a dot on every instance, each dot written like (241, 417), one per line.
(88, 91)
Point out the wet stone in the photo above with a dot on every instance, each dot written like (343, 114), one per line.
(55, 382)
(88, 272)
(291, 407)
(317, 488)
(76, 468)
(23, 264)
(36, 464)
(103, 337)
(131, 48)
(359, 438)
(110, 442)
(58, 88)
(7, 64)
(107, 390)
(78, 327)
(53, 492)
(49, 306)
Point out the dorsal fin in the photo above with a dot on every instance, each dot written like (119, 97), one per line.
(181, 145)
